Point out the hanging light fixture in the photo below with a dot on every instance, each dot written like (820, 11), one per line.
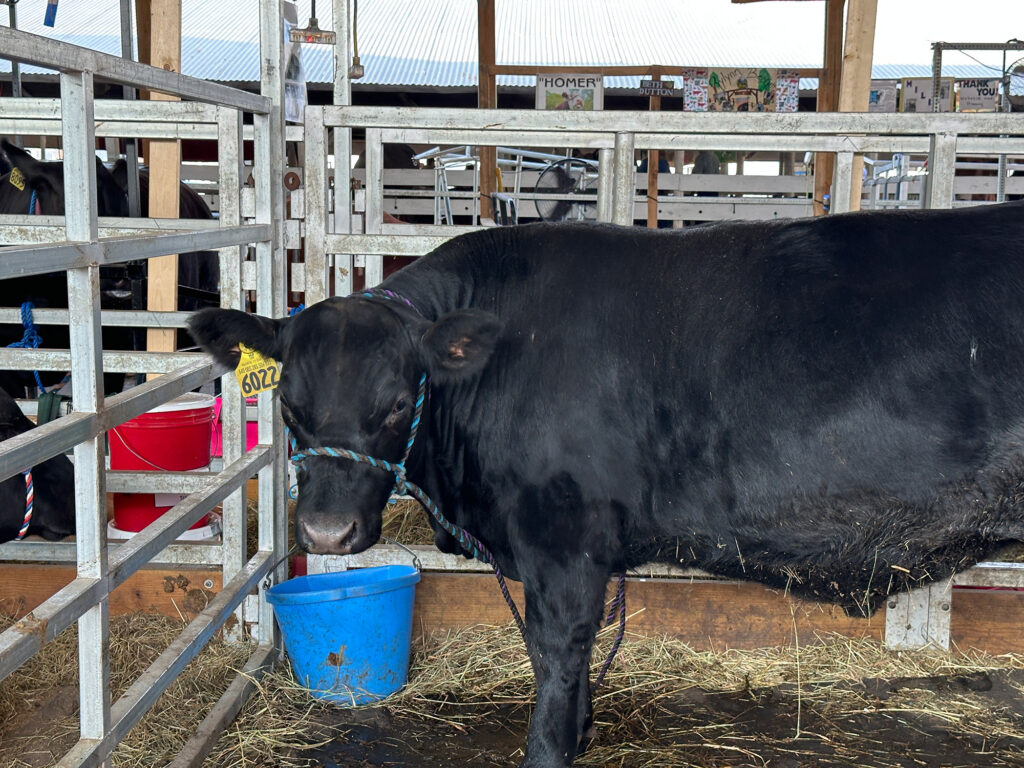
(311, 33)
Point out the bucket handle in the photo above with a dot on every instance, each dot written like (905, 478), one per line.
(269, 578)
(415, 558)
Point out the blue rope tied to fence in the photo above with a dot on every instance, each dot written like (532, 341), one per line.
(30, 338)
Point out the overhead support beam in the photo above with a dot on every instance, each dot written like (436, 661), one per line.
(828, 96)
(855, 88)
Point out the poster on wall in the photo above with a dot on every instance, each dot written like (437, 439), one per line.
(977, 95)
(787, 91)
(695, 90)
(740, 89)
(916, 94)
(294, 77)
(570, 92)
(883, 96)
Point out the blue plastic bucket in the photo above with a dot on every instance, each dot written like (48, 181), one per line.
(348, 633)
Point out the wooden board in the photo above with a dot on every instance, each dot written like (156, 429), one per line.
(178, 593)
(719, 615)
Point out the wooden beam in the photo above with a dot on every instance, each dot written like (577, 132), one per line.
(180, 592)
(643, 71)
(855, 88)
(487, 98)
(717, 615)
(828, 96)
(652, 167)
(164, 174)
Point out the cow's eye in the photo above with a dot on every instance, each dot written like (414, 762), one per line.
(398, 411)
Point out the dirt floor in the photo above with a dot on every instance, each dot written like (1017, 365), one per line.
(839, 702)
(757, 727)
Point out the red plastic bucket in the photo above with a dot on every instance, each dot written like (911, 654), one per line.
(173, 437)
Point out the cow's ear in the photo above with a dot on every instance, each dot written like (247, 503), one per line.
(220, 331)
(39, 174)
(460, 343)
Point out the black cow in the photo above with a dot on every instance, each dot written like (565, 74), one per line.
(53, 481)
(831, 405)
(38, 189)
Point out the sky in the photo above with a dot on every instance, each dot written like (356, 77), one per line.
(906, 29)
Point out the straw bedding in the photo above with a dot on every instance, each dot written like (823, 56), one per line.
(837, 702)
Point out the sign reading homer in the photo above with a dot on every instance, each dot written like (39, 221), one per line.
(570, 92)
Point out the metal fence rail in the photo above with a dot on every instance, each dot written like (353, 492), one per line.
(72, 244)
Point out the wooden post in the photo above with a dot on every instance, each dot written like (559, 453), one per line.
(828, 96)
(855, 88)
(487, 97)
(164, 169)
(652, 165)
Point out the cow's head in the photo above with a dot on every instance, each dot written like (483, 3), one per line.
(53, 515)
(47, 181)
(350, 371)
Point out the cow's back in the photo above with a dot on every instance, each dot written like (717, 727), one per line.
(725, 385)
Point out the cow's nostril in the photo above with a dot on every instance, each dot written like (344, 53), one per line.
(346, 536)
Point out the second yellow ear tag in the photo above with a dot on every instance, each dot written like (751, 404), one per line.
(256, 372)
(17, 179)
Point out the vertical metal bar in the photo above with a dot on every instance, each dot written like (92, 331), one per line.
(131, 145)
(77, 134)
(624, 178)
(15, 66)
(941, 170)
(315, 185)
(342, 145)
(605, 162)
(936, 74)
(842, 183)
(374, 153)
(232, 412)
(270, 289)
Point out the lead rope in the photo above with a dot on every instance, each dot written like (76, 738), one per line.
(30, 496)
(30, 338)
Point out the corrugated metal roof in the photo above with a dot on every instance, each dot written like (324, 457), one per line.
(432, 43)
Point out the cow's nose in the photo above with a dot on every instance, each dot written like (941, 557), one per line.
(321, 541)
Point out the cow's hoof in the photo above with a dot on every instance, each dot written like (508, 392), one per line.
(589, 732)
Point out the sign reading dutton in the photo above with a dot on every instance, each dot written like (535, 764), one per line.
(658, 88)
(573, 92)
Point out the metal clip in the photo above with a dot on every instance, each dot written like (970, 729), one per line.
(415, 558)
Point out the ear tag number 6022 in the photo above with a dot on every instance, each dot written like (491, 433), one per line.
(256, 372)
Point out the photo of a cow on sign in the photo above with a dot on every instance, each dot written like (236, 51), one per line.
(834, 406)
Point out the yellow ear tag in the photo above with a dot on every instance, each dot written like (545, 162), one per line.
(17, 179)
(256, 372)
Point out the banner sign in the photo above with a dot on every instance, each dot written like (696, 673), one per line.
(573, 92)
(977, 95)
(883, 96)
(294, 76)
(741, 89)
(916, 94)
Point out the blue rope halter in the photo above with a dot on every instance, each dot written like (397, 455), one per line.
(403, 484)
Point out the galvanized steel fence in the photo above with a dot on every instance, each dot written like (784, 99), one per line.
(78, 244)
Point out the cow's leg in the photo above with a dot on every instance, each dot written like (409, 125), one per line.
(564, 602)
